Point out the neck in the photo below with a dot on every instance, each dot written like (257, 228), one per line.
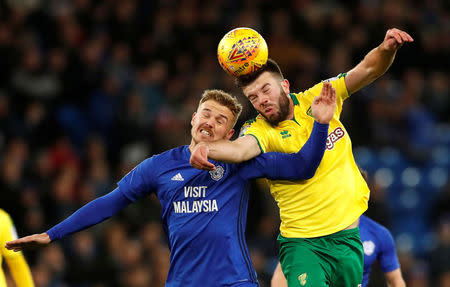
(290, 116)
(192, 145)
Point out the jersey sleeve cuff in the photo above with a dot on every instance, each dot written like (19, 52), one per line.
(343, 75)
(321, 127)
(260, 147)
(389, 268)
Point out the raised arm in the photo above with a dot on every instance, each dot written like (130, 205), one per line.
(92, 213)
(303, 164)
(246, 147)
(377, 61)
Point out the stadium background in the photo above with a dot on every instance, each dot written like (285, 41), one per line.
(90, 88)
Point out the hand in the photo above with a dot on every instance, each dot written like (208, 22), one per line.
(323, 106)
(32, 241)
(199, 158)
(395, 38)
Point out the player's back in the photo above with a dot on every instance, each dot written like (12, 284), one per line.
(204, 216)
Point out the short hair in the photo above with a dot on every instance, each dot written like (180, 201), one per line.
(225, 99)
(271, 66)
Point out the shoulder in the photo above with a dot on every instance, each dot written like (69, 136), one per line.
(5, 220)
(255, 123)
(3, 215)
(337, 78)
(381, 233)
(171, 154)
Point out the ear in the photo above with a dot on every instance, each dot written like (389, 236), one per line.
(229, 134)
(192, 120)
(285, 85)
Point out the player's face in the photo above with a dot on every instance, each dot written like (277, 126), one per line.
(269, 97)
(212, 122)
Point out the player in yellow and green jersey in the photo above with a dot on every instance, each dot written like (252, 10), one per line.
(17, 265)
(319, 239)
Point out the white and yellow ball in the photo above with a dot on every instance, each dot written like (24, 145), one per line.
(242, 51)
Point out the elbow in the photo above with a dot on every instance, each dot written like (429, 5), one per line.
(304, 174)
(398, 282)
(310, 174)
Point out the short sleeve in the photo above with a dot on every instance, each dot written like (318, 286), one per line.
(255, 129)
(388, 256)
(140, 181)
(338, 84)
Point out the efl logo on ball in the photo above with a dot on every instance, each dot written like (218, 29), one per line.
(242, 51)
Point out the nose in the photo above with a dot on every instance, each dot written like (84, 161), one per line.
(263, 100)
(209, 123)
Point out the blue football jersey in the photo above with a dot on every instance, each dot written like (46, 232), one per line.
(378, 245)
(203, 213)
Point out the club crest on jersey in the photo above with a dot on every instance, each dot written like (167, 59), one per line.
(334, 136)
(217, 174)
(369, 247)
(302, 279)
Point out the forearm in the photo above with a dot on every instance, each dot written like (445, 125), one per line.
(310, 155)
(92, 213)
(378, 61)
(300, 165)
(374, 64)
(20, 271)
(394, 278)
(236, 151)
(397, 283)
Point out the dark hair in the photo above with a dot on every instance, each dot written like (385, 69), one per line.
(271, 66)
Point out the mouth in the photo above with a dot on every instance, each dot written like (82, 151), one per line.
(268, 111)
(206, 133)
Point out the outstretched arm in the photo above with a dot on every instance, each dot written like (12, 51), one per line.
(377, 61)
(303, 164)
(239, 150)
(92, 213)
(246, 147)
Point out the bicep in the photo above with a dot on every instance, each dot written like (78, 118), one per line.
(239, 150)
(250, 147)
(388, 257)
(140, 181)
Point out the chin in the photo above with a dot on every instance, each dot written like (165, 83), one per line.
(205, 139)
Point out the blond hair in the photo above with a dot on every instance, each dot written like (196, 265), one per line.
(223, 99)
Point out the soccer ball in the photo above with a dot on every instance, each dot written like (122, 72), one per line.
(242, 51)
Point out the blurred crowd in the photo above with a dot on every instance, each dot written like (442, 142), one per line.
(88, 89)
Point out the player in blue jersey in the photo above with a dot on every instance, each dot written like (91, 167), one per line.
(203, 212)
(379, 245)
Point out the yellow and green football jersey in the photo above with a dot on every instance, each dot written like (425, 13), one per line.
(337, 194)
(16, 261)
